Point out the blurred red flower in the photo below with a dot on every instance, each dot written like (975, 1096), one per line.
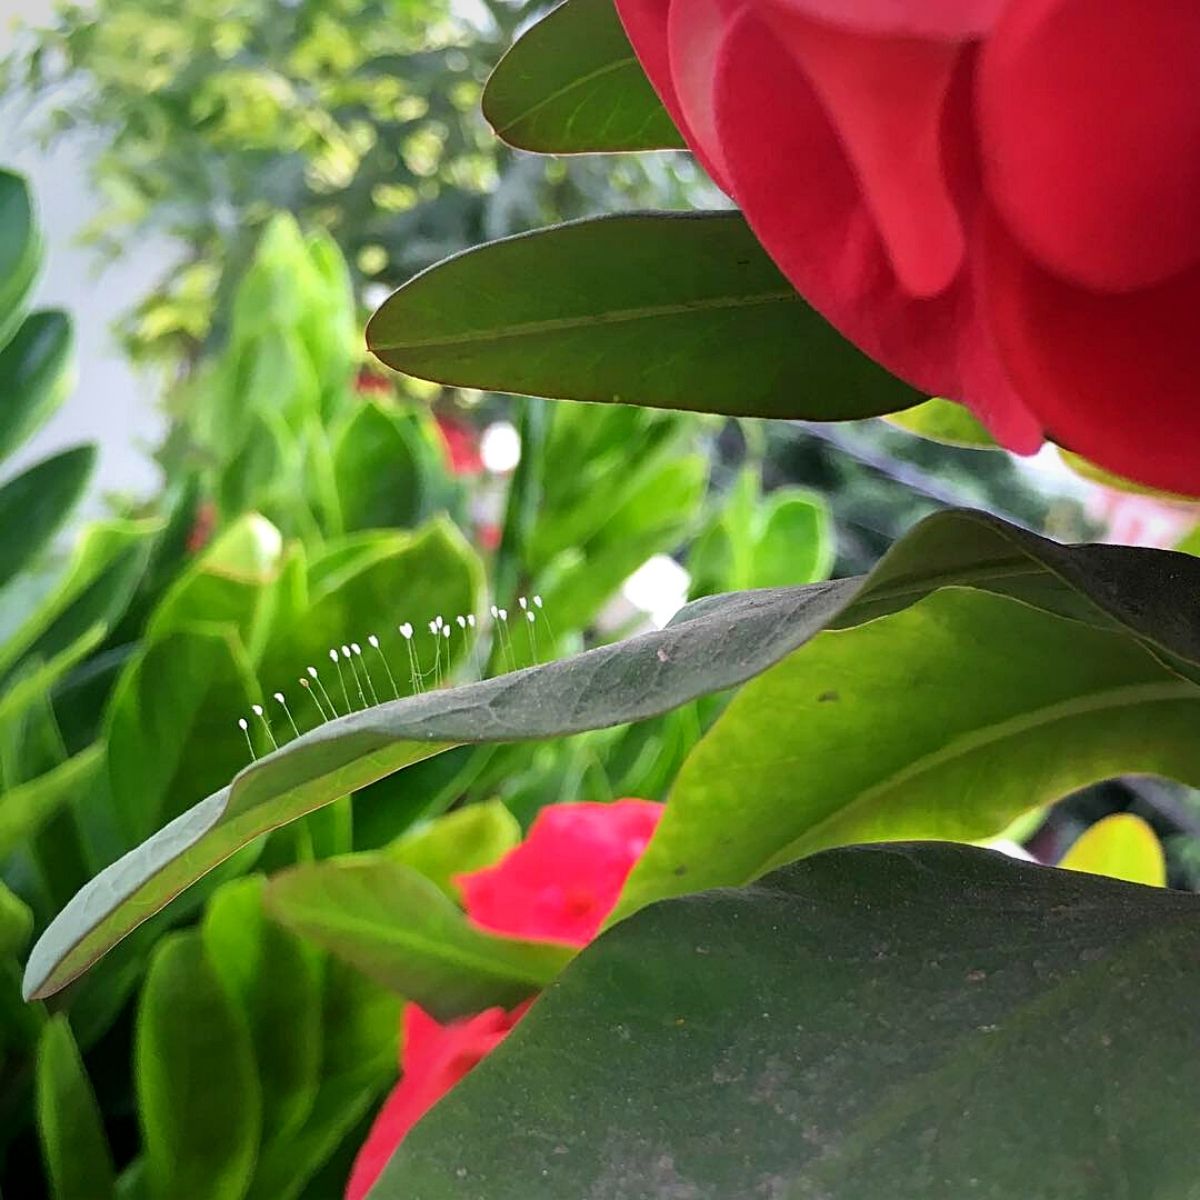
(462, 445)
(558, 885)
(996, 199)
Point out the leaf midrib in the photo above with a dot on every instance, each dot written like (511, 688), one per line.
(986, 737)
(453, 954)
(621, 316)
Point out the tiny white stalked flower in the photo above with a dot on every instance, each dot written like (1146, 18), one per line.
(284, 705)
(373, 642)
(257, 710)
(337, 662)
(312, 674)
(304, 683)
(244, 726)
(366, 672)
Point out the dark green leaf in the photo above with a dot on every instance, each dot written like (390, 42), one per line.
(713, 644)
(20, 251)
(399, 929)
(16, 923)
(572, 84)
(666, 310)
(916, 1022)
(33, 377)
(377, 464)
(34, 505)
(276, 980)
(169, 725)
(105, 568)
(198, 1095)
(74, 1146)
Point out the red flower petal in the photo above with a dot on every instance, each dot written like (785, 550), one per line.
(1114, 377)
(563, 880)
(886, 97)
(645, 22)
(694, 30)
(1090, 125)
(956, 20)
(801, 195)
(436, 1057)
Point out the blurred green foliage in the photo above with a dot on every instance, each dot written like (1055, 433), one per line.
(309, 503)
(360, 117)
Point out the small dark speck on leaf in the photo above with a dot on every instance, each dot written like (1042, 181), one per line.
(826, 697)
(681, 869)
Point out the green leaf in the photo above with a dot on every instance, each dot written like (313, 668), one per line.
(169, 723)
(399, 929)
(712, 645)
(1121, 846)
(199, 1102)
(872, 1022)
(377, 464)
(107, 563)
(34, 505)
(34, 379)
(366, 584)
(358, 1063)
(36, 682)
(467, 840)
(16, 923)
(70, 1125)
(946, 422)
(276, 980)
(20, 251)
(229, 584)
(572, 84)
(976, 708)
(751, 543)
(678, 311)
(26, 808)
(795, 544)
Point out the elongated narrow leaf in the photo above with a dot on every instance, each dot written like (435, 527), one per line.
(276, 980)
(70, 1126)
(20, 251)
(572, 84)
(668, 310)
(168, 725)
(33, 377)
(199, 1101)
(916, 1022)
(398, 928)
(107, 563)
(976, 708)
(714, 644)
(16, 923)
(25, 809)
(34, 505)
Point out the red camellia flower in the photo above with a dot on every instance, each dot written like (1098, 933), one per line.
(558, 885)
(997, 199)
